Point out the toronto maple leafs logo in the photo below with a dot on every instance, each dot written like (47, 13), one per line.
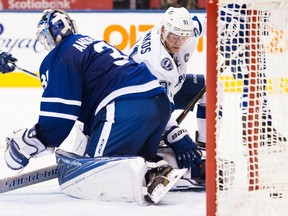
(166, 64)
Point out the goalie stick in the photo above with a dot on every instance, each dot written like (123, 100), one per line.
(27, 179)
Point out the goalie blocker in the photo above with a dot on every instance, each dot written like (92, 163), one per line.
(115, 178)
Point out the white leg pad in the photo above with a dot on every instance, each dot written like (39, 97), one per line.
(110, 179)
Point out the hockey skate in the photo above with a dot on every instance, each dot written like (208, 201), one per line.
(160, 180)
(185, 182)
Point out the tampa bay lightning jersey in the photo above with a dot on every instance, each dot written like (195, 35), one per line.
(80, 76)
(169, 70)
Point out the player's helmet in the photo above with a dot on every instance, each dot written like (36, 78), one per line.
(178, 21)
(53, 27)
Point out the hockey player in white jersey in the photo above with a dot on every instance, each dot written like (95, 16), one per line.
(166, 49)
(114, 97)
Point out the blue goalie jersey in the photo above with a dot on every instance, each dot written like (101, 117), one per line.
(80, 76)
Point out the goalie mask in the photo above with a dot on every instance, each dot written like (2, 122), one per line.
(53, 27)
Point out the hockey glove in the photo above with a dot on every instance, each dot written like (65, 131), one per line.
(186, 151)
(23, 145)
(5, 59)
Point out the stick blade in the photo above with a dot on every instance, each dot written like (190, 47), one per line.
(27, 179)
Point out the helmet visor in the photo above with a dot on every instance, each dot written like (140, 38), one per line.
(45, 38)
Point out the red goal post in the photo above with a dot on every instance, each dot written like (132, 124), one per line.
(211, 84)
(247, 107)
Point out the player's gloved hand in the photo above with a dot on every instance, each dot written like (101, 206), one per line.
(5, 59)
(186, 151)
(21, 146)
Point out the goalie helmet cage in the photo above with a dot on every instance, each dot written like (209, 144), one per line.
(247, 107)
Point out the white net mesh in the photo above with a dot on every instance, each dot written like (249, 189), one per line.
(258, 4)
(252, 108)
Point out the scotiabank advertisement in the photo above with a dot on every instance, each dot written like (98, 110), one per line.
(60, 4)
(121, 29)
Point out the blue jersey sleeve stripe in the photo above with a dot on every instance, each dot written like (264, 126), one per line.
(127, 90)
(59, 115)
(61, 100)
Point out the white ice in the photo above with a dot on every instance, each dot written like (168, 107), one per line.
(19, 109)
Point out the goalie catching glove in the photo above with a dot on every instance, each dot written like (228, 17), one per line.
(5, 59)
(186, 151)
(23, 145)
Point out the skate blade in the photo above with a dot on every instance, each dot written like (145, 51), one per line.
(185, 184)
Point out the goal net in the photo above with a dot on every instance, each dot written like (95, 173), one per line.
(247, 106)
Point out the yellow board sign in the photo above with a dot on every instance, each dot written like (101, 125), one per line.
(18, 79)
